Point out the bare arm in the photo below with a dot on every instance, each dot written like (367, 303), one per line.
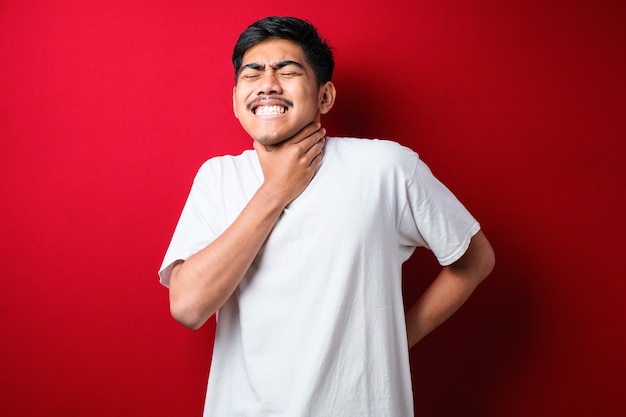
(204, 282)
(450, 289)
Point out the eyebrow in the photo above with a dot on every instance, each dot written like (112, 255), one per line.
(277, 66)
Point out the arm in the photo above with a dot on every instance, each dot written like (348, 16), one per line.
(204, 282)
(450, 289)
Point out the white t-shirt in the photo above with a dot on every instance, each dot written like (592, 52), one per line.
(316, 328)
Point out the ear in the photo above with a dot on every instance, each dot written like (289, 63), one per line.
(327, 97)
(234, 105)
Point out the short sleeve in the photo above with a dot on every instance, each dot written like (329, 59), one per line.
(194, 229)
(434, 218)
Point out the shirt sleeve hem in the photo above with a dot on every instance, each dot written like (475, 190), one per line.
(457, 254)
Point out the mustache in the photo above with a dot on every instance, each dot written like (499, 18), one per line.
(288, 103)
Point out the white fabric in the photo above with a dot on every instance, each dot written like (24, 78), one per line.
(316, 327)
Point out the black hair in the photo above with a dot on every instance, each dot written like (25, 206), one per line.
(316, 51)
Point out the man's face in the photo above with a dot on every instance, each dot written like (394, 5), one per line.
(276, 94)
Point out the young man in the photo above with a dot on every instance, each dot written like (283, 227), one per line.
(298, 246)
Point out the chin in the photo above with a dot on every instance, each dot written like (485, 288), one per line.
(269, 141)
(270, 137)
(272, 133)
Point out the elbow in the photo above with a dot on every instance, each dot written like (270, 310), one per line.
(480, 259)
(186, 316)
(186, 313)
(490, 262)
(488, 258)
(185, 308)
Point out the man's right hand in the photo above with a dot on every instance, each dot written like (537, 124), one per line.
(289, 167)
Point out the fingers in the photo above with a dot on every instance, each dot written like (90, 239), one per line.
(288, 167)
(313, 131)
(306, 147)
(311, 139)
(316, 150)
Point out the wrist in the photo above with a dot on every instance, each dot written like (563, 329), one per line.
(274, 197)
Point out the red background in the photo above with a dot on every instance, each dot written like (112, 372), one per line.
(108, 108)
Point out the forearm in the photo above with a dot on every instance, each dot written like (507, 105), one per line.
(450, 289)
(204, 282)
(439, 302)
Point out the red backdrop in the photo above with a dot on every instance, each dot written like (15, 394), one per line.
(107, 109)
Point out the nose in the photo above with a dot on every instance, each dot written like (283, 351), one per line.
(269, 84)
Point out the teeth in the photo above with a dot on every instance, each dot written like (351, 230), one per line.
(265, 110)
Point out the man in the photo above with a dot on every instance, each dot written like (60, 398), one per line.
(298, 246)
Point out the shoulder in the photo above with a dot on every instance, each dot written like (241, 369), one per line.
(227, 165)
(382, 148)
(374, 152)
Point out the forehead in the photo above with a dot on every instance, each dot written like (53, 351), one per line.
(272, 51)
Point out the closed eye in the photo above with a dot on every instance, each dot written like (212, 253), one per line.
(284, 69)
(250, 76)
